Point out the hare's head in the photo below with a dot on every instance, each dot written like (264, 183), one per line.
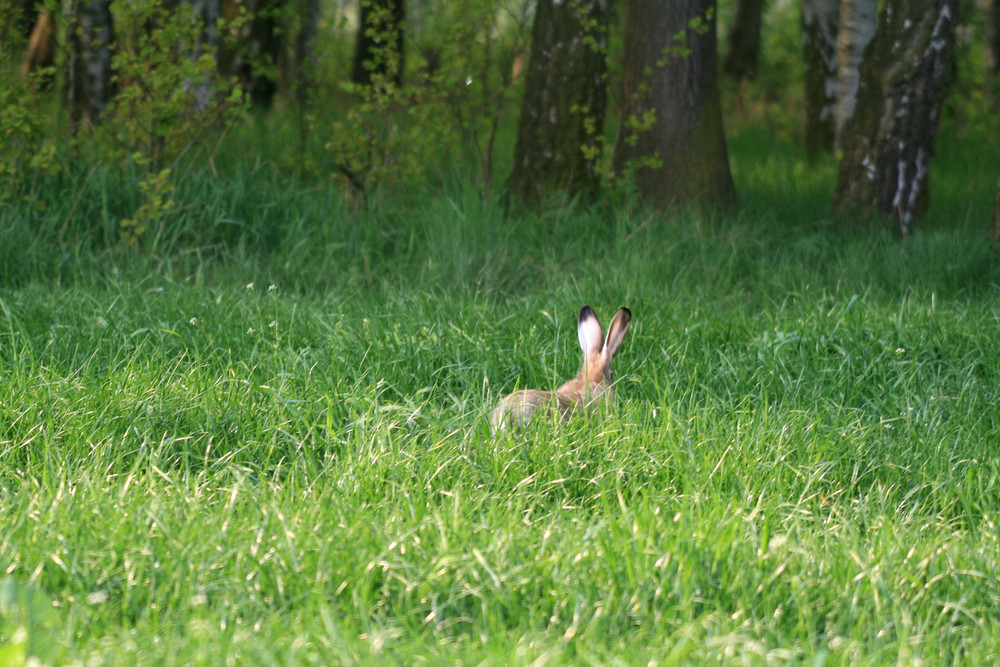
(595, 375)
(579, 395)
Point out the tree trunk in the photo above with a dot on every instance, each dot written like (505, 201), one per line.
(562, 115)
(670, 133)
(820, 19)
(992, 19)
(252, 54)
(378, 51)
(26, 14)
(856, 29)
(258, 66)
(744, 41)
(208, 13)
(302, 71)
(905, 76)
(91, 34)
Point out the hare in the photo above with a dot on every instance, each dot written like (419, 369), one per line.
(591, 386)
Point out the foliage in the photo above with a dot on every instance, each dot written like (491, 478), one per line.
(31, 148)
(170, 97)
(386, 136)
(169, 94)
(454, 96)
(379, 142)
(155, 188)
(473, 54)
(28, 141)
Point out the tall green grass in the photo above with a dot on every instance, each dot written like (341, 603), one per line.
(262, 437)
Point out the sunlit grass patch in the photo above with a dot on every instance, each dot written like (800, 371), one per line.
(272, 445)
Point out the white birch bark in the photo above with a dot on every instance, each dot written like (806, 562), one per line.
(856, 29)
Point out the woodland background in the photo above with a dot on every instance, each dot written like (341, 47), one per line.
(380, 95)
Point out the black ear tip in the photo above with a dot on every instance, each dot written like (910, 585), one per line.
(586, 313)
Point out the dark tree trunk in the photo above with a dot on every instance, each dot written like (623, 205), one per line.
(670, 133)
(91, 34)
(562, 115)
(820, 19)
(744, 41)
(302, 71)
(26, 13)
(379, 48)
(905, 76)
(257, 68)
(992, 17)
(252, 54)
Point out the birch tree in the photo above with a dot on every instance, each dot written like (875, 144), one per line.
(91, 34)
(890, 140)
(856, 27)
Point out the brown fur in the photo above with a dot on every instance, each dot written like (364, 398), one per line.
(591, 387)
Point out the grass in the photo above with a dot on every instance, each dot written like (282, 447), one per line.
(263, 440)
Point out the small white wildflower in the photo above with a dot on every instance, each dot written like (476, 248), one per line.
(193, 321)
(251, 331)
(272, 288)
(249, 287)
(97, 597)
(273, 324)
(900, 351)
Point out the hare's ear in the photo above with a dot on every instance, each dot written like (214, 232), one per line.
(590, 331)
(616, 332)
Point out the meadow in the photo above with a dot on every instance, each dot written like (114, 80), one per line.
(264, 440)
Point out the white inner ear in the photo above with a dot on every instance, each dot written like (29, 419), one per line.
(591, 336)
